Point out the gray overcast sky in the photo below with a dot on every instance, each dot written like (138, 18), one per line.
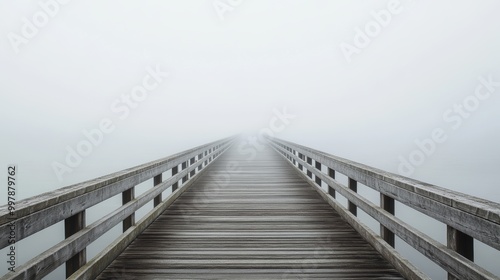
(233, 63)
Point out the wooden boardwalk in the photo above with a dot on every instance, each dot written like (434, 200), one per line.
(250, 219)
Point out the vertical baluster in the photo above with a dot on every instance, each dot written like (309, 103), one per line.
(156, 181)
(309, 162)
(184, 166)
(316, 178)
(200, 156)
(331, 191)
(387, 203)
(128, 196)
(191, 162)
(461, 243)
(300, 165)
(72, 225)
(353, 185)
(175, 170)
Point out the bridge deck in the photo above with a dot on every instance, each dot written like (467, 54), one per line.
(256, 220)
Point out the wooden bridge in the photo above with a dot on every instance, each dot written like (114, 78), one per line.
(233, 216)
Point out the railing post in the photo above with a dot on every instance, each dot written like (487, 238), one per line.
(128, 196)
(175, 185)
(191, 162)
(387, 203)
(316, 178)
(353, 186)
(293, 159)
(331, 191)
(156, 181)
(200, 156)
(184, 166)
(300, 165)
(460, 243)
(309, 173)
(72, 225)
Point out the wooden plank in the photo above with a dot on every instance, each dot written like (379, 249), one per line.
(257, 219)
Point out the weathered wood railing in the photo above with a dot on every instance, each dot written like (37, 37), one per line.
(467, 218)
(69, 204)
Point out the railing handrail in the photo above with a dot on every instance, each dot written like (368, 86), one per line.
(488, 210)
(69, 204)
(467, 217)
(33, 204)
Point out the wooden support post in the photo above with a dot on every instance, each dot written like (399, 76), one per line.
(309, 173)
(156, 181)
(461, 243)
(331, 191)
(175, 185)
(387, 203)
(72, 225)
(127, 196)
(300, 165)
(316, 178)
(184, 166)
(200, 156)
(353, 185)
(191, 162)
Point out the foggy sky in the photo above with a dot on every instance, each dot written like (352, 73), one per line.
(230, 74)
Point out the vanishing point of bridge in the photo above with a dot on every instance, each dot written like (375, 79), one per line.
(268, 217)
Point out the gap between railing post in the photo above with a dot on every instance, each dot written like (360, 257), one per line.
(156, 181)
(387, 203)
(353, 186)
(128, 196)
(72, 225)
(460, 243)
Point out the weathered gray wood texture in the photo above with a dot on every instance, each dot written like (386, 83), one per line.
(39, 212)
(77, 240)
(250, 219)
(451, 213)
